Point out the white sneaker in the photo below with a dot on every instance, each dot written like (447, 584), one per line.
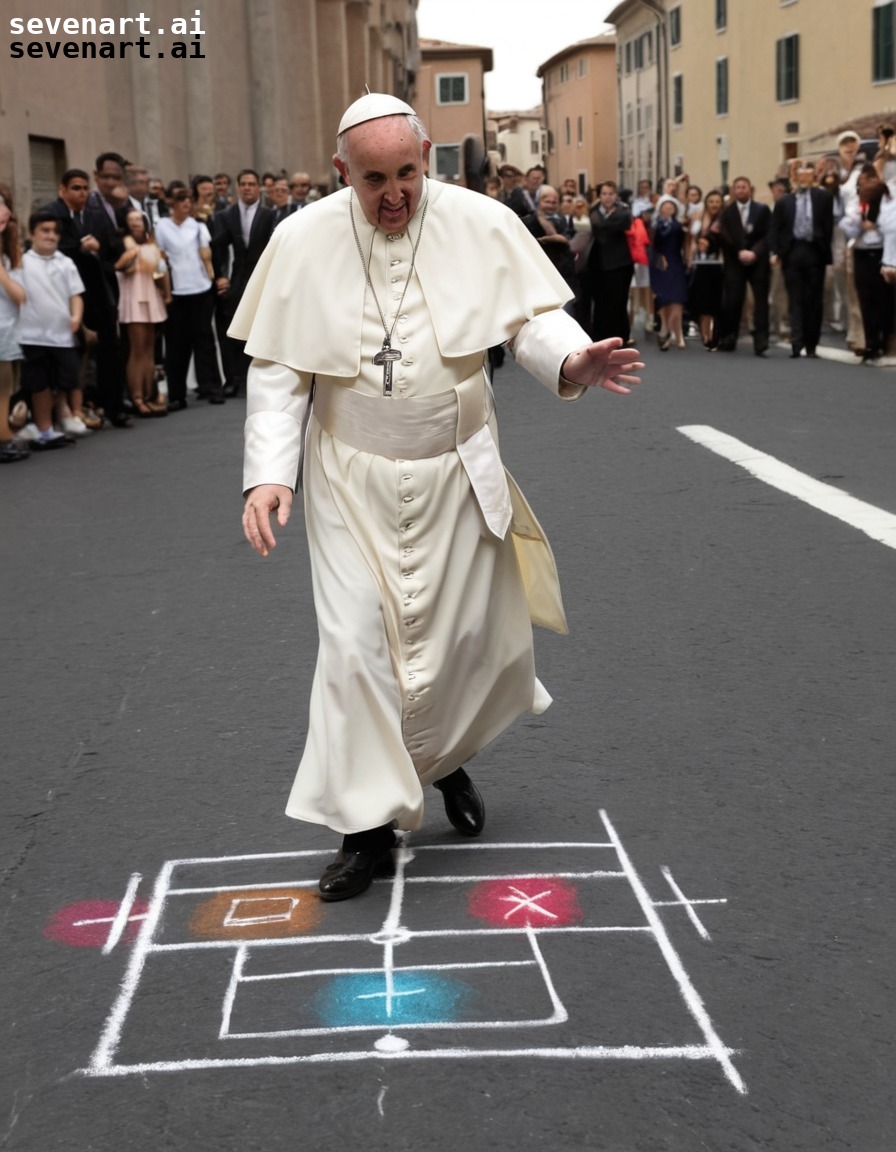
(29, 432)
(76, 426)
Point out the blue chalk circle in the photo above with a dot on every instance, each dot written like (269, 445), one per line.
(371, 999)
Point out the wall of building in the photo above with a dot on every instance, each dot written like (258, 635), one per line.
(450, 123)
(759, 131)
(580, 108)
(640, 102)
(275, 79)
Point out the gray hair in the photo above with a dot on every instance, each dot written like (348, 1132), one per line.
(415, 123)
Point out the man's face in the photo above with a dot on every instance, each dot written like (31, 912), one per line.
(607, 197)
(534, 179)
(848, 150)
(75, 193)
(741, 191)
(205, 192)
(45, 239)
(108, 177)
(386, 166)
(139, 185)
(548, 201)
(643, 188)
(805, 177)
(777, 190)
(222, 186)
(157, 189)
(280, 193)
(300, 185)
(181, 207)
(566, 203)
(248, 188)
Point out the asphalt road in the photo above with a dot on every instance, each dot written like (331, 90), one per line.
(723, 709)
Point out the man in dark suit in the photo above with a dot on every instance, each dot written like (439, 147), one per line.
(88, 237)
(743, 237)
(239, 236)
(801, 232)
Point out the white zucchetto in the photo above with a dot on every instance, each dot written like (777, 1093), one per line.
(371, 107)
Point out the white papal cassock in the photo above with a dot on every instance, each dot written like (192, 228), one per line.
(424, 598)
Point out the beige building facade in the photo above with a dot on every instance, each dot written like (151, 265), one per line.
(746, 85)
(579, 88)
(642, 125)
(263, 84)
(449, 96)
(518, 138)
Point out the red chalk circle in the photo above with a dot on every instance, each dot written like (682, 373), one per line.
(88, 923)
(539, 902)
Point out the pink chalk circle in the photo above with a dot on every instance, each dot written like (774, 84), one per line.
(532, 902)
(87, 924)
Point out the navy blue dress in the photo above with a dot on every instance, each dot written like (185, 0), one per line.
(668, 277)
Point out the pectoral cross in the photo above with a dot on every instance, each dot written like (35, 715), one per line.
(386, 356)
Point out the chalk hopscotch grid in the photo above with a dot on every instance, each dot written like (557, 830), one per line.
(103, 1062)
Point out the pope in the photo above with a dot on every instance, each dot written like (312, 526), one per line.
(368, 318)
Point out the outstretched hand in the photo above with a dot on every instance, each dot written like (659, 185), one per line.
(260, 503)
(606, 364)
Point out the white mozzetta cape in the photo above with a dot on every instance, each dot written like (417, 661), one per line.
(423, 603)
(483, 275)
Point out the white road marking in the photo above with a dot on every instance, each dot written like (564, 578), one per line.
(874, 522)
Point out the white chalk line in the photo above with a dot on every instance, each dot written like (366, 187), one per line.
(477, 847)
(874, 522)
(472, 878)
(461, 966)
(123, 914)
(365, 937)
(685, 902)
(605, 1052)
(102, 1057)
(688, 992)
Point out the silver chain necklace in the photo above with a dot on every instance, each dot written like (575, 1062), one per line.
(387, 354)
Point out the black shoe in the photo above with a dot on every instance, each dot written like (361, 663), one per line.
(230, 390)
(760, 350)
(119, 420)
(176, 405)
(811, 354)
(795, 352)
(216, 397)
(464, 807)
(351, 873)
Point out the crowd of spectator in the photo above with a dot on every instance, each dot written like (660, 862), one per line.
(115, 292)
(126, 285)
(679, 260)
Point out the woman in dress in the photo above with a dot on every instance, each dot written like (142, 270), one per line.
(705, 296)
(140, 309)
(12, 297)
(668, 278)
